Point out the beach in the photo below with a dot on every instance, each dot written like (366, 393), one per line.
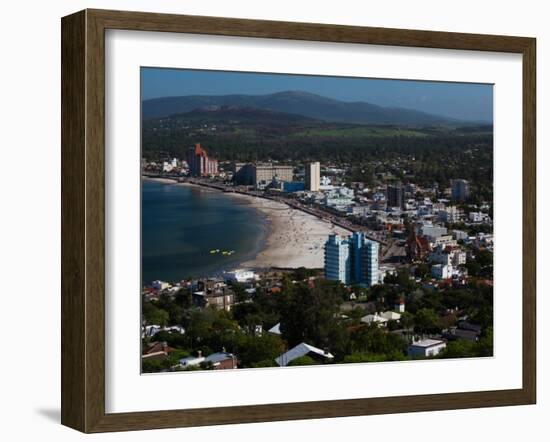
(295, 238)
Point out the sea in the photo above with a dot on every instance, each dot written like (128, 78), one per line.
(182, 224)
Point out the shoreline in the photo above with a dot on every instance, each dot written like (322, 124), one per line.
(292, 239)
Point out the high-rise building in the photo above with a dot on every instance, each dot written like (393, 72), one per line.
(460, 190)
(200, 164)
(395, 196)
(261, 175)
(353, 260)
(337, 259)
(313, 176)
(364, 254)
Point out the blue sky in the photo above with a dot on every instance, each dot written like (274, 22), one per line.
(466, 101)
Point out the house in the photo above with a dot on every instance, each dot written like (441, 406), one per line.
(426, 348)
(240, 275)
(191, 361)
(374, 319)
(222, 298)
(222, 360)
(160, 285)
(399, 305)
(455, 333)
(151, 330)
(300, 350)
(391, 316)
(276, 329)
(156, 350)
(217, 361)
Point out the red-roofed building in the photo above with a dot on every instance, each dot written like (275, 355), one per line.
(156, 350)
(418, 247)
(200, 164)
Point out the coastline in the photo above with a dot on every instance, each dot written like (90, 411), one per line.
(293, 238)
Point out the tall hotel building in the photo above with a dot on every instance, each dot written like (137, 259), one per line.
(353, 260)
(460, 190)
(337, 262)
(395, 196)
(313, 176)
(200, 164)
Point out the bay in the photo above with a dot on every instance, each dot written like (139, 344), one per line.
(181, 224)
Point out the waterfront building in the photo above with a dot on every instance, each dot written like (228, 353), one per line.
(261, 175)
(337, 259)
(200, 164)
(339, 198)
(160, 285)
(364, 257)
(395, 196)
(353, 260)
(236, 167)
(460, 190)
(293, 186)
(240, 275)
(167, 167)
(313, 176)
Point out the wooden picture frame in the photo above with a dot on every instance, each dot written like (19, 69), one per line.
(83, 220)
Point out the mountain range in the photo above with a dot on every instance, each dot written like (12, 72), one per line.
(298, 103)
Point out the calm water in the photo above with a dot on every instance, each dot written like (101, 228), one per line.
(181, 224)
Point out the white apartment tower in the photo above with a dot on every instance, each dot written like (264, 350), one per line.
(313, 176)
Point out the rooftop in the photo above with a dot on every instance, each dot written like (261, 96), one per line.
(425, 343)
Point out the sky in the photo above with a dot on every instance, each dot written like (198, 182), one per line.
(464, 101)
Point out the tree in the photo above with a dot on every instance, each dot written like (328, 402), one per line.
(426, 321)
(254, 351)
(484, 258)
(154, 365)
(154, 315)
(422, 270)
(374, 357)
(374, 340)
(485, 344)
(311, 314)
(460, 349)
(407, 320)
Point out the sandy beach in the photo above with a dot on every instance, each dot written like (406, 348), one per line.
(295, 239)
(160, 180)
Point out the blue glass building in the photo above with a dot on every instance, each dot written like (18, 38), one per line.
(351, 260)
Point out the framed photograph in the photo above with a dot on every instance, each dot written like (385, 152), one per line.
(266, 221)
